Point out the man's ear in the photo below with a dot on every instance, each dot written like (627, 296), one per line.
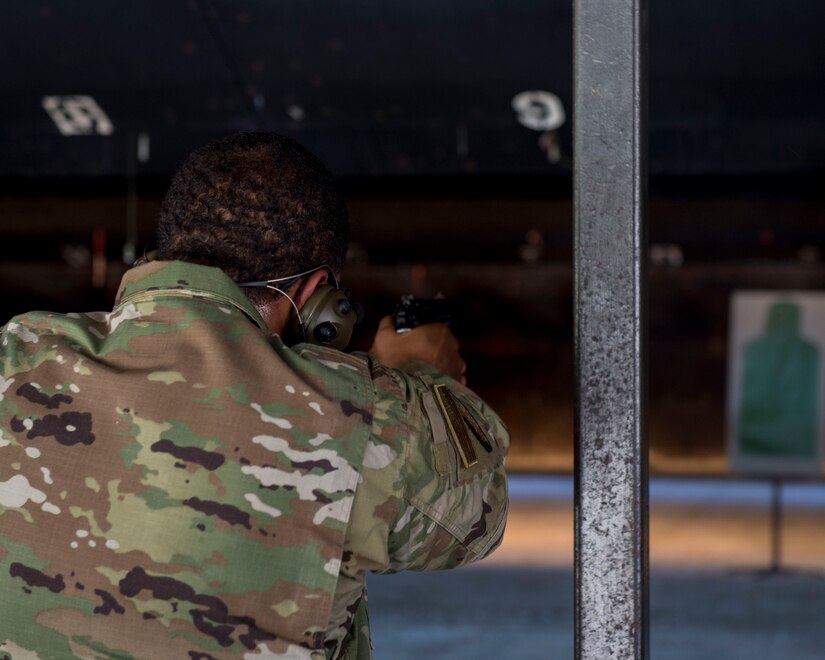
(308, 286)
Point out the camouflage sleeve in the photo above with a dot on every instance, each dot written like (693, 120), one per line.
(444, 489)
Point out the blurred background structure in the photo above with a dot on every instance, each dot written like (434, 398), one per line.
(449, 126)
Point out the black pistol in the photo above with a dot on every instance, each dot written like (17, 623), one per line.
(412, 312)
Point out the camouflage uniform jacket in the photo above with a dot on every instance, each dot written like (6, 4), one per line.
(176, 483)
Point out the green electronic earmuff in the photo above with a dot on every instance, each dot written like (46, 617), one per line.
(327, 319)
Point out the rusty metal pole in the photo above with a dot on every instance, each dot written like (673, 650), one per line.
(611, 500)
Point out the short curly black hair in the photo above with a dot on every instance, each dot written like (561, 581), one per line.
(256, 205)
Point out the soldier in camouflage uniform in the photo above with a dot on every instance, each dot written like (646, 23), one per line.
(176, 482)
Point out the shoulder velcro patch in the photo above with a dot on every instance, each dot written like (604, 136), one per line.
(458, 420)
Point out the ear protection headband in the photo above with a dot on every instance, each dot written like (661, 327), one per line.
(328, 316)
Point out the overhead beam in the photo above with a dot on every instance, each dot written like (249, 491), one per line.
(611, 500)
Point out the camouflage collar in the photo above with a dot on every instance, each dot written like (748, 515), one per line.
(184, 279)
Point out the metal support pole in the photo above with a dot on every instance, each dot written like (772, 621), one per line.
(776, 526)
(611, 502)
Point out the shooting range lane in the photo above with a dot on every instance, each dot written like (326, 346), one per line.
(710, 540)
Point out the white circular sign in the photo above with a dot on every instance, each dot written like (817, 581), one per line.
(539, 110)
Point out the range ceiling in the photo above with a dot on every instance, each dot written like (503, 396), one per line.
(389, 87)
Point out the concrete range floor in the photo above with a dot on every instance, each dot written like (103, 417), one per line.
(711, 597)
